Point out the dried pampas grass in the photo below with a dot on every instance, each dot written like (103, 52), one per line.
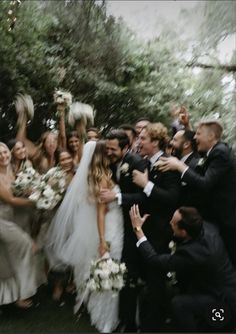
(81, 112)
(24, 107)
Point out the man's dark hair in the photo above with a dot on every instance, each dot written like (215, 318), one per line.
(189, 135)
(191, 221)
(120, 135)
(128, 127)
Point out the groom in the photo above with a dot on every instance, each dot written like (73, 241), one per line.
(122, 164)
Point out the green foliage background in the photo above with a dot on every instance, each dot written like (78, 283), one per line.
(76, 46)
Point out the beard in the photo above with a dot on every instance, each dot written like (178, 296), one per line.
(177, 152)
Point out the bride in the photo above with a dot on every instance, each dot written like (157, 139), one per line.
(81, 230)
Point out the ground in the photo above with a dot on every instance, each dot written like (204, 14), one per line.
(45, 316)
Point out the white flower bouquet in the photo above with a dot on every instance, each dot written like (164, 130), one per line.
(61, 97)
(26, 181)
(50, 189)
(106, 274)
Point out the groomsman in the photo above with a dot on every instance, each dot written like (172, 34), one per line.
(122, 165)
(161, 194)
(215, 177)
(159, 197)
(185, 149)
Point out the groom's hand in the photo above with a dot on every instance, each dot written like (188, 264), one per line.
(107, 195)
(139, 178)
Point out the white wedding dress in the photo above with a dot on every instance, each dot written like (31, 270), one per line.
(73, 239)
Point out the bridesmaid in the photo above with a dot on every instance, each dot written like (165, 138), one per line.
(23, 216)
(43, 154)
(18, 280)
(19, 159)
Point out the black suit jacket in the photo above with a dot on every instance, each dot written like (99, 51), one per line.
(161, 205)
(215, 180)
(201, 265)
(188, 195)
(130, 161)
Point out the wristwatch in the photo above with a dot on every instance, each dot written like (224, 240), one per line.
(137, 228)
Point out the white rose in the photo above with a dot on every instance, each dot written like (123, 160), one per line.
(115, 268)
(43, 204)
(104, 274)
(124, 168)
(106, 284)
(34, 196)
(122, 267)
(92, 285)
(48, 192)
(118, 283)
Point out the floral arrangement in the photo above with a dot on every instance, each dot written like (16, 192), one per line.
(45, 190)
(171, 274)
(124, 168)
(201, 162)
(106, 274)
(50, 190)
(62, 97)
(27, 180)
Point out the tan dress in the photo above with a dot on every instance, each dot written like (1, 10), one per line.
(18, 276)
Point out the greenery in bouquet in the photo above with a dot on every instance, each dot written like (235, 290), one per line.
(50, 190)
(106, 274)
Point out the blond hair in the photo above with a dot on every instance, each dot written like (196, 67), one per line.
(157, 131)
(215, 126)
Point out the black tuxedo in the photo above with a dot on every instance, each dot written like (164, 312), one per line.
(188, 195)
(202, 268)
(161, 205)
(215, 179)
(130, 255)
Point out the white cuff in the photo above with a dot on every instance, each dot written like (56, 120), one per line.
(141, 240)
(184, 172)
(119, 198)
(148, 188)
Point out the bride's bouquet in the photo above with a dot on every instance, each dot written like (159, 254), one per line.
(106, 274)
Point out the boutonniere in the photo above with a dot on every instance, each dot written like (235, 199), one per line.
(171, 274)
(124, 168)
(172, 246)
(201, 161)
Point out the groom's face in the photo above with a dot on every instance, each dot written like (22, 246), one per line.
(114, 152)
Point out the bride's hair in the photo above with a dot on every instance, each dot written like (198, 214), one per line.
(98, 171)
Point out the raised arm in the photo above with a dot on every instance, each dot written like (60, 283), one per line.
(62, 127)
(21, 134)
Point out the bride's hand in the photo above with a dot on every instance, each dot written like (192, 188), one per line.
(103, 248)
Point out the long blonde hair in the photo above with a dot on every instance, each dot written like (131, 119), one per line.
(99, 170)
